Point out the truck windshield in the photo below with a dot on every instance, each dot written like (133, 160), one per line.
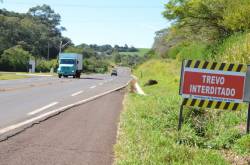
(67, 61)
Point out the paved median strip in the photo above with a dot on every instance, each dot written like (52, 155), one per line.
(77, 93)
(43, 108)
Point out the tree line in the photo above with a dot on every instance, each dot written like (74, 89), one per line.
(35, 31)
(201, 29)
(100, 58)
(37, 35)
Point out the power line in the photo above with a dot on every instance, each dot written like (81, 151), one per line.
(107, 21)
(89, 6)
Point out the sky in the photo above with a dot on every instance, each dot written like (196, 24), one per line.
(132, 22)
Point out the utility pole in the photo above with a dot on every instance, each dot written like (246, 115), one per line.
(63, 46)
(48, 52)
(60, 47)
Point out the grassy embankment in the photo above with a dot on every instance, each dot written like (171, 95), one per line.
(141, 52)
(148, 128)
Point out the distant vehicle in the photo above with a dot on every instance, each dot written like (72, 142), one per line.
(70, 64)
(114, 72)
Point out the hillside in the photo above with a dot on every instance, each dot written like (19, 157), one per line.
(141, 52)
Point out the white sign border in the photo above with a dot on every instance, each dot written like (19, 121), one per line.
(197, 70)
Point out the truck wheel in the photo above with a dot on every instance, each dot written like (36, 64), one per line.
(78, 75)
(59, 75)
(74, 76)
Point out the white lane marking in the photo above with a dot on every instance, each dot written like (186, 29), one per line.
(53, 112)
(43, 108)
(77, 93)
(92, 87)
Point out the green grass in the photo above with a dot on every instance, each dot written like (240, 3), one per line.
(39, 73)
(10, 76)
(235, 49)
(141, 52)
(14, 75)
(148, 125)
(192, 51)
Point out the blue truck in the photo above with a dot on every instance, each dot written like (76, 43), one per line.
(70, 64)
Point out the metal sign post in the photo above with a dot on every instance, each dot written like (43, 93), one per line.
(180, 118)
(248, 119)
(181, 107)
(247, 98)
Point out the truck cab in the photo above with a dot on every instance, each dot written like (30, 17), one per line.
(70, 64)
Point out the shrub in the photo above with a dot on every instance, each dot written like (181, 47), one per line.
(45, 66)
(15, 59)
(95, 65)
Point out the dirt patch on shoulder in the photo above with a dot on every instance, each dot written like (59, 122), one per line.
(235, 159)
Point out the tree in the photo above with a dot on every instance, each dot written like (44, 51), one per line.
(236, 15)
(51, 36)
(46, 15)
(73, 49)
(33, 31)
(117, 57)
(15, 59)
(88, 53)
(209, 19)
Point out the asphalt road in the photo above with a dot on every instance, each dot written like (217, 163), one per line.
(27, 98)
(83, 135)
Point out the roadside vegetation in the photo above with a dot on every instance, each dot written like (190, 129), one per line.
(213, 30)
(209, 30)
(141, 52)
(102, 58)
(10, 76)
(148, 127)
(37, 35)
